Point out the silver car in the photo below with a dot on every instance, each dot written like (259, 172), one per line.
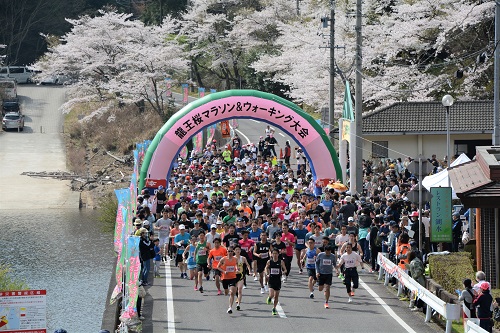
(13, 120)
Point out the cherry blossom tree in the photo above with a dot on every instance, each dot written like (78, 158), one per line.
(111, 57)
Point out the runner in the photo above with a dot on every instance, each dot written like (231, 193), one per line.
(246, 245)
(261, 254)
(281, 247)
(190, 260)
(275, 267)
(350, 259)
(201, 254)
(254, 235)
(310, 258)
(324, 271)
(289, 239)
(215, 255)
(162, 227)
(181, 240)
(228, 267)
(243, 266)
(300, 246)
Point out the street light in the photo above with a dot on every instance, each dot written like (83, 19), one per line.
(447, 102)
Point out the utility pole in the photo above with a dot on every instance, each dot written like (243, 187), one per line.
(496, 95)
(331, 117)
(298, 7)
(356, 166)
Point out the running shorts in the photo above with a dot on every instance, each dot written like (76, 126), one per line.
(178, 258)
(325, 279)
(274, 283)
(229, 283)
(312, 273)
(203, 268)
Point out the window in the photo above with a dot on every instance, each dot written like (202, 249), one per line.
(380, 149)
(16, 70)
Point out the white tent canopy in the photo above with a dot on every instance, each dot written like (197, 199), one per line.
(442, 178)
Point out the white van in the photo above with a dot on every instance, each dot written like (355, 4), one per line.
(21, 74)
(8, 89)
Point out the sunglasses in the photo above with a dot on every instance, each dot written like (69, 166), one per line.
(230, 251)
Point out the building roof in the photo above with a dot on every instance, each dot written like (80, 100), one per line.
(477, 183)
(430, 117)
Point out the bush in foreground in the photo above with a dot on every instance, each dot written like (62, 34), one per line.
(8, 282)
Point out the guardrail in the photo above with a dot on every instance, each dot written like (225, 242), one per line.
(449, 311)
(472, 326)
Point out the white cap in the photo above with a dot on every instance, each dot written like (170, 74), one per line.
(182, 226)
(278, 196)
(350, 219)
(213, 226)
(226, 204)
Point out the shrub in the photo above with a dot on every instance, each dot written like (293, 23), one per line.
(7, 282)
(449, 271)
(107, 212)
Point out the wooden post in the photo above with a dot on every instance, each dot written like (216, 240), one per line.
(478, 239)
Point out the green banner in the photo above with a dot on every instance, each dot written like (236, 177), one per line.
(441, 221)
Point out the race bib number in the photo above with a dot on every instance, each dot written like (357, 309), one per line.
(318, 242)
(218, 258)
(264, 255)
(275, 271)
(300, 241)
(230, 269)
(255, 239)
(310, 261)
(244, 248)
(327, 262)
(202, 252)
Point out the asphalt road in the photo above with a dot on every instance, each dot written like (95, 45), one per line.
(172, 305)
(39, 147)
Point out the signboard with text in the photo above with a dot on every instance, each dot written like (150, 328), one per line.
(441, 221)
(23, 311)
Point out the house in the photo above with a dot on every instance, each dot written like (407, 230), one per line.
(477, 185)
(414, 128)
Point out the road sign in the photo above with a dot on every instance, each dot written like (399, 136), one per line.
(427, 167)
(413, 195)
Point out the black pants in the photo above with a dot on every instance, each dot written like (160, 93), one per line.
(288, 263)
(374, 254)
(351, 275)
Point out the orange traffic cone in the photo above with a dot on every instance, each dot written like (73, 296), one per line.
(281, 153)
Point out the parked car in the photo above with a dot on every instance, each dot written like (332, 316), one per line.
(56, 79)
(10, 106)
(21, 74)
(13, 120)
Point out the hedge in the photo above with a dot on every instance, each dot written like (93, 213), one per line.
(450, 270)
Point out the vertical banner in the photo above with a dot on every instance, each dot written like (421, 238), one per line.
(225, 129)
(132, 278)
(346, 130)
(185, 93)
(201, 92)
(212, 91)
(211, 133)
(183, 153)
(168, 87)
(441, 210)
(198, 143)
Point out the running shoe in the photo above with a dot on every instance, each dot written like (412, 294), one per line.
(238, 307)
(327, 306)
(255, 278)
(262, 290)
(229, 310)
(201, 289)
(404, 298)
(207, 277)
(182, 275)
(275, 313)
(301, 271)
(219, 292)
(352, 293)
(268, 300)
(244, 287)
(350, 300)
(266, 287)
(341, 276)
(195, 288)
(311, 295)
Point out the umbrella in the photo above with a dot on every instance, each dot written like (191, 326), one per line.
(338, 187)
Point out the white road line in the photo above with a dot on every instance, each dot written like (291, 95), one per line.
(387, 307)
(280, 311)
(170, 299)
(255, 121)
(283, 135)
(241, 133)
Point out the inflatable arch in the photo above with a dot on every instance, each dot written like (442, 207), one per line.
(241, 104)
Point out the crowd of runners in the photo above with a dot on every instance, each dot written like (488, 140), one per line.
(243, 212)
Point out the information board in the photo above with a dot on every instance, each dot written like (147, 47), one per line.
(441, 223)
(23, 311)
